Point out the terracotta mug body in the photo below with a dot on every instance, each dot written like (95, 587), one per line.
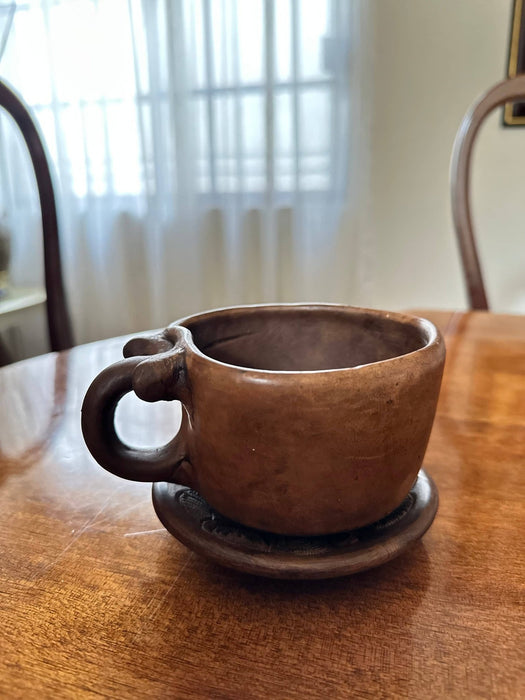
(297, 419)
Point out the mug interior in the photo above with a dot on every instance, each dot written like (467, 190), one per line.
(295, 338)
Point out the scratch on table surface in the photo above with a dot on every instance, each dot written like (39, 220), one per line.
(159, 604)
(144, 532)
(172, 586)
(86, 526)
(123, 511)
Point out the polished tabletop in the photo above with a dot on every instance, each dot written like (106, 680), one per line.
(97, 599)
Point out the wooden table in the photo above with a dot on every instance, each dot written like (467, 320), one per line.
(96, 599)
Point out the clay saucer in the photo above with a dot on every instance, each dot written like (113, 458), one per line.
(191, 520)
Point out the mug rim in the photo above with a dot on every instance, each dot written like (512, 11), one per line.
(428, 329)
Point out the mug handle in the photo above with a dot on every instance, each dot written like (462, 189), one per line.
(158, 378)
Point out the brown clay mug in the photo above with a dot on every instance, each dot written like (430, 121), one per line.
(297, 419)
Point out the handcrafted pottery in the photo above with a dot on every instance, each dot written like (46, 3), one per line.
(298, 419)
(191, 520)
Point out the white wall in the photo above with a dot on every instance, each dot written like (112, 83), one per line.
(431, 58)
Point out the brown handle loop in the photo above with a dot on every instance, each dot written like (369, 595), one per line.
(161, 377)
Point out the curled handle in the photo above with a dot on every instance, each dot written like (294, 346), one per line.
(153, 377)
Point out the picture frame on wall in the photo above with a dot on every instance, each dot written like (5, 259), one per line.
(514, 112)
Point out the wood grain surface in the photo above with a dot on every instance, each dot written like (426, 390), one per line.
(97, 599)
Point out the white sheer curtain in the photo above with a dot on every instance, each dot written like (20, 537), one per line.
(204, 152)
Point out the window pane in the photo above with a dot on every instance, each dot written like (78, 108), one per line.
(197, 43)
(314, 105)
(315, 109)
(313, 27)
(284, 163)
(202, 145)
(283, 40)
(253, 142)
(253, 118)
(224, 138)
(221, 41)
(250, 34)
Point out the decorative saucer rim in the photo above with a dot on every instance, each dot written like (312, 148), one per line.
(380, 546)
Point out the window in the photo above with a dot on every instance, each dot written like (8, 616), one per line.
(234, 95)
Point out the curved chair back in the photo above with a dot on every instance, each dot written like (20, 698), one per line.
(59, 325)
(506, 91)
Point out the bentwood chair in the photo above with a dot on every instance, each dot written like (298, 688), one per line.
(507, 91)
(59, 325)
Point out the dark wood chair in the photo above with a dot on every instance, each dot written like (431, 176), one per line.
(507, 91)
(59, 325)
